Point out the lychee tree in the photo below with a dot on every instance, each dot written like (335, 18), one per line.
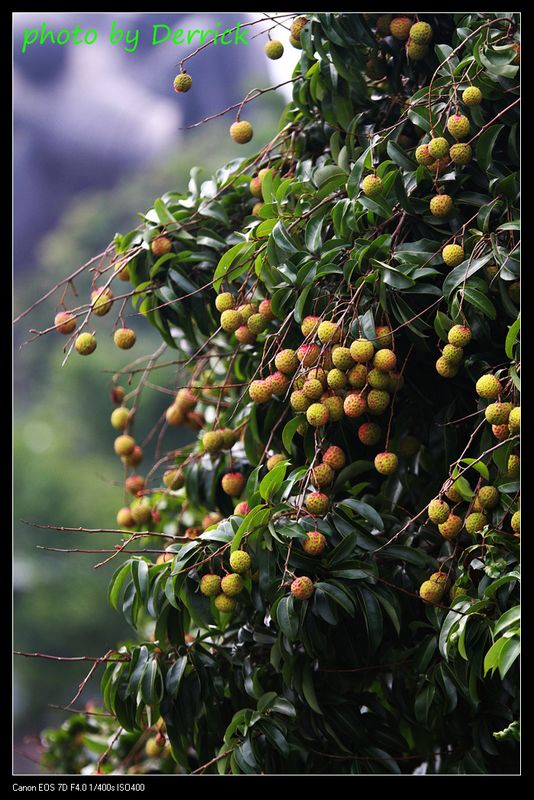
(327, 577)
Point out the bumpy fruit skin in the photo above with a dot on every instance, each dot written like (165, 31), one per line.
(329, 332)
(257, 323)
(124, 338)
(224, 603)
(334, 404)
(213, 441)
(372, 186)
(461, 154)
(101, 301)
(497, 413)
(260, 391)
(475, 522)
(125, 518)
(153, 748)
(441, 205)
(134, 484)
(335, 457)
(299, 402)
(439, 166)
(231, 321)
(210, 585)
(122, 270)
(64, 322)
(431, 591)
(309, 326)
(488, 496)
(247, 310)
(120, 418)
(308, 354)
(286, 361)
(266, 309)
(313, 389)
(386, 463)
(232, 584)
(85, 344)
(459, 335)
(355, 405)
(421, 33)
(415, 51)
(322, 475)
(501, 432)
(516, 522)
(302, 588)
(244, 335)
(174, 416)
(274, 49)
(439, 147)
(362, 350)
(453, 494)
(446, 368)
(278, 383)
(233, 483)
(173, 479)
(295, 31)
(369, 433)
(224, 302)
(240, 562)
(472, 96)
(160, 246)
(123, 445)
(458, 126)
(317, 415)
(385, 360)
(384, 339)
(141, 511)
(182, 82)
(341, 358)
(453, 254)
(242, 509)
(452, 354)
(241, 132)
(336, 379)
(400, 28)
(514, 420)
(357, 376)
(274, 460)
(409, 446)
(488, 387)
(438, 511)
(377, 401)
(378, 379)
(423, 155)
(451, 527)
(317, 503)
(513, 466)
(314, 543)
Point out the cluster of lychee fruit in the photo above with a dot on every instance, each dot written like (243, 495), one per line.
(225, 590)
(182, 410)
(448, 364)
(247, 320)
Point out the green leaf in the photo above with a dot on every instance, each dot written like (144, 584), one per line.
(511, 338)
(508, 655)
(290, 428)
(117, 582)
(476, 465)
(308, 689)
(272, 482)
(366, 511)
(485, 145)
(287, 617)
(233, 263)
(509, 617)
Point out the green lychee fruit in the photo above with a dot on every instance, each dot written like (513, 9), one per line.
(377, 401)
(186, 399)
(384, 339)
(446, 368)
(160, 246)
(173, 479)
(372, 186)
(286, 361)
(362, 350)
(459, 335)
(317, 503)
(385, 360)
(213, 441)
(516, 522)
(475, 522)
(400, 28)
(299, 402)
(231, 321)
(240, 562)
(342, 358)
(438, 147)
(122, 269)
(453, 254)
(64, 322)
(369, 433)
(260, 391)
(335, 457)
(210, 585)
(182, 82)
(357, 376)
(274, 49)
(378, 379)
(302, 588)
(232, 584)
(421, 33)
(317, 374)
(308, 354)
(241, 132)
(225, 604)
(125, 518)
(488, 387)
(317, 415)
(256, 208)
(472, 96)
(431, 591)
(513, 466)
(452, 354)
(120, 418)
(438, 511)
(497, 413)
(441, 205)
(141, 511)
(461, 154)
(257, 323)
(453, 494)
(314, 543)
(309, 326)
(278, 383)
(415, 51)
(101, 301)
(322, 475)
(153, 747)
(458, 126)
(355, 404)
(123, 445)
(514, 420)
(329, 332)
(255, 187)
(488, 496)
(247, 310)
(423, 155)
(224, 302)
(274, 460)
(124, 338)
(233, 484)
(313, 389)
(85, 344)
(386, 463)
(174, 416)
(336, 379)
(451, 527)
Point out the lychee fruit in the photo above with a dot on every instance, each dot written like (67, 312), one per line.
(488, 496)
(372, 186)
(192, 533)
(362, 350)
(439, 147)
(141, 511)
(256, 208)
(329, 332)
(317, 415)
(461, 154)
(336, 379)
(123, 445)
(224, 603)
(120, 418)
(335, 457)
(459, 335)
(117, 394)
(232, 584)
(334, 404)
(513, 466)
(355, 404)
(438, 511)
(385, 360)
(134, 484)
(153, 747)
(314, 543)
(125, 518)
(278, 383)
(210, 585)
(302, 588)
(342, 358)
(501, 432)
(439, 166)
(451, 527)
(488, 387)
(244, 335)
(313, 389)
(431, 591)
(452, 354)
(260, 391)
(308, 354)
(274, 49)
(453, 494)
(453, 254)
(242, 509)
(101, 301)
(475, 522)
(240, 562)
(384, 339)
(266, 309)
(211, 518)
(255, 187)
(386, 463)
(257, 323)
(497, 413)
(233, 483)
(213, 441)
(458, 126)
(369, 433)
(85, 344)
(64, 322)
(514, 420)
(416, 51)
(310, 326)
(423, 155)
(516, 522)
(231, 321)
(241, 132)
(357, 376)
(421, 33)
(224, 302)
(124, 338)
(322, 475)
(274, 460)
(377, 401)
(472, 96)
(182, 82)
(286, 361)
(441, 205)
(160, 246)
(317, 503)
(186, 399)
(295, 31)
(446, 368)
(173, 479)
(174, 416)
(400, 28)
(122, 270)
